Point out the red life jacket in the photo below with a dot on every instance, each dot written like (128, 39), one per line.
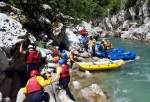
(83, 31)
(32, 56)
(33, 85)
(56, 52)
(65, 71)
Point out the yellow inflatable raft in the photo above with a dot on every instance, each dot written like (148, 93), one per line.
(92, 66)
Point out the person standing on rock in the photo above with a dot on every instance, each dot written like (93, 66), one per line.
(34, 87)
(56, 53)
(83, 32)
(32, 59)
(72, 59)
(63, 75)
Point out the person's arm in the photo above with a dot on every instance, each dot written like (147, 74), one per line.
(43, 82)
(25, 90)
(58, 71)
(21, 48)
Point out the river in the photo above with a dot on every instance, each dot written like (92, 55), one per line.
(129, 83)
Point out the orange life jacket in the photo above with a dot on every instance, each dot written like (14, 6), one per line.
(33, 85)
(65, 71)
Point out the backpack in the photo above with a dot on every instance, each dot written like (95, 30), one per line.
(32, 57)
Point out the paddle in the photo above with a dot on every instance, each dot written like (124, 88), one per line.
(76, 62)
(53, 92)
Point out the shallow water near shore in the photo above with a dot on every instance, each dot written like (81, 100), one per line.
(129, 83)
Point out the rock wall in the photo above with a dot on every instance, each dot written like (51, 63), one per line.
(10, 33)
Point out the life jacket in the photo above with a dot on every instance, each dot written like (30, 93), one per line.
(56, 57)
(65, 71)
(33, 85)
(83, 31)
(109, 45)
(93, 46)
(56, 52)
(32, 57)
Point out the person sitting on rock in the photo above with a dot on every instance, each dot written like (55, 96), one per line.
(34, 87)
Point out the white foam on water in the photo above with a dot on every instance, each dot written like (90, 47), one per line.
(127, 61)
(125, 91)
(138, 57)
(122, 99)
(146, 78)
(135, 73)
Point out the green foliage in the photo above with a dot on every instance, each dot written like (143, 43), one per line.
(51, 47)
(45, 45)
(113, 30)
(40, 44)
(113, 6)
(78, 9)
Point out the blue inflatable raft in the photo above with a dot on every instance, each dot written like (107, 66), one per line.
(130, 55)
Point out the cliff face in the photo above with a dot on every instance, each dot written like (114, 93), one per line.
(130, 23)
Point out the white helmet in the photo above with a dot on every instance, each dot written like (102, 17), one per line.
(103, 40)
(57, 47)
(11, 13)
(46, 36)
(30, 46)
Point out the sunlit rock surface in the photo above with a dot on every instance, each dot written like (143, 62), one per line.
(94, 93)
(10, 32)
(76, 85)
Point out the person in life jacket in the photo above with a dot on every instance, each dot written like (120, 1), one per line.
(109, 45)
(34, 87)
(72, 59)
(93, 47)
(56, 53)
(32, 59)
(104, 46)
(83, 31)
(64, 55)
(56, 62)
(63, 75)
(83, 40)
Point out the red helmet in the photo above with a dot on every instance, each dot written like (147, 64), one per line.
(72, 51)
(34, 72)
(55, 60)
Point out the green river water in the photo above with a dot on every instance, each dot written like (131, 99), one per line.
(129, 83)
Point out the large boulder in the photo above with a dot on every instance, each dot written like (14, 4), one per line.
(10, 33)
(94, 93)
